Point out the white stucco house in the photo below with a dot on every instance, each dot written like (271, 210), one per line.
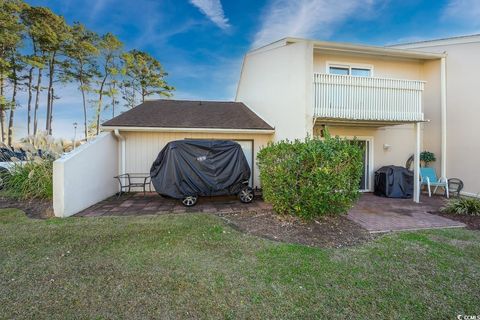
(397, 100)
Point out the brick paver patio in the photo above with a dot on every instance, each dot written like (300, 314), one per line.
(152, 203)
(373, 213)
(377, 214)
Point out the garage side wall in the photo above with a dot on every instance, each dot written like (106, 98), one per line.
(142, 148)
(84, 176)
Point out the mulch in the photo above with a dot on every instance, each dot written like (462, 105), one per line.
(35, 209)
(325, 232)
(472, 222)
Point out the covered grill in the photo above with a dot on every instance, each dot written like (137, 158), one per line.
(394, 182)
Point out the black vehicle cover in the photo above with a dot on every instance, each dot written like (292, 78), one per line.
(200, 168)
(393, 182)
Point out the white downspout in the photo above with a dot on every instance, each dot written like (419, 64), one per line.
(443, 104)
(122, 150)
(416, 165)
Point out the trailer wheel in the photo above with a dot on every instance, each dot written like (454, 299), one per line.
(246, 195)
(190, 201)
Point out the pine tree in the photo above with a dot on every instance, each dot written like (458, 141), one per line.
(10, 40)
(143, 75)
(81, 64)
(109, 47)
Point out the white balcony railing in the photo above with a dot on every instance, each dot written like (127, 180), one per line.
(365, 98)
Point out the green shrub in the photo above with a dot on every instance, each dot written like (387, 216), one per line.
(30, 180)
(427, 157)
(463, 206)
(311, 178)
(33, 178)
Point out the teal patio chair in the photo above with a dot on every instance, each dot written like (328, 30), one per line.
(429, 178)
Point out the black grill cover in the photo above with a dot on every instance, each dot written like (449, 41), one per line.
(394, 182)
(200, 167)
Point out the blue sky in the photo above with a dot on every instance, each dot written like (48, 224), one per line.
(201, 43)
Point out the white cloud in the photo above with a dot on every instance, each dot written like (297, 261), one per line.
(98, 7)
(465, 11)
(223, 76)
(307, 18)
(214, 11)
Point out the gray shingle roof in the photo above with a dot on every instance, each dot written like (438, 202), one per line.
(190, 114)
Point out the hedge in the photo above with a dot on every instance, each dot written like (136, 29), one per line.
(311, 178)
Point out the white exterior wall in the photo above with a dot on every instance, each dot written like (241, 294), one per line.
(432, 133)
(463, 107)
(142, 148)
(276, 84)
(84, 176)
(400, 139)
(383, 67)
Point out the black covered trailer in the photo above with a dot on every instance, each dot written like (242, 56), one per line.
(187, 169)
(394, 182)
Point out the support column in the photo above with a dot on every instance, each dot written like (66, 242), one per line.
(443, 105)
(416, 165)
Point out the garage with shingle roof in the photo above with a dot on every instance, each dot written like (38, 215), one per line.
(144, 130)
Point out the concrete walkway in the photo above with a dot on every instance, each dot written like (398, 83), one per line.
(377, 214)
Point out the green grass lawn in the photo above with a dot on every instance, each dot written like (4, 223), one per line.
(194, 266)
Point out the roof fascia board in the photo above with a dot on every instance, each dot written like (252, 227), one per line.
(199, 130)
(270, 46)
(353, 48)
(380, 51)
(438, 42)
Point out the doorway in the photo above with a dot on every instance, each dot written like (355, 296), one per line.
(366, 145)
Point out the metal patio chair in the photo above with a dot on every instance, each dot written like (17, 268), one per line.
(429, 179)
(455, 186)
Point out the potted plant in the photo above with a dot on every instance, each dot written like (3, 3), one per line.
(426, 157)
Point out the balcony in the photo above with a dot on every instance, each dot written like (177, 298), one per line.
(365, 99)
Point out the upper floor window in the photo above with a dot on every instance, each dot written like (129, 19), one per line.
(350, 70)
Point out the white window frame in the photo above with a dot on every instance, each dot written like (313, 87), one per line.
(349, 66)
